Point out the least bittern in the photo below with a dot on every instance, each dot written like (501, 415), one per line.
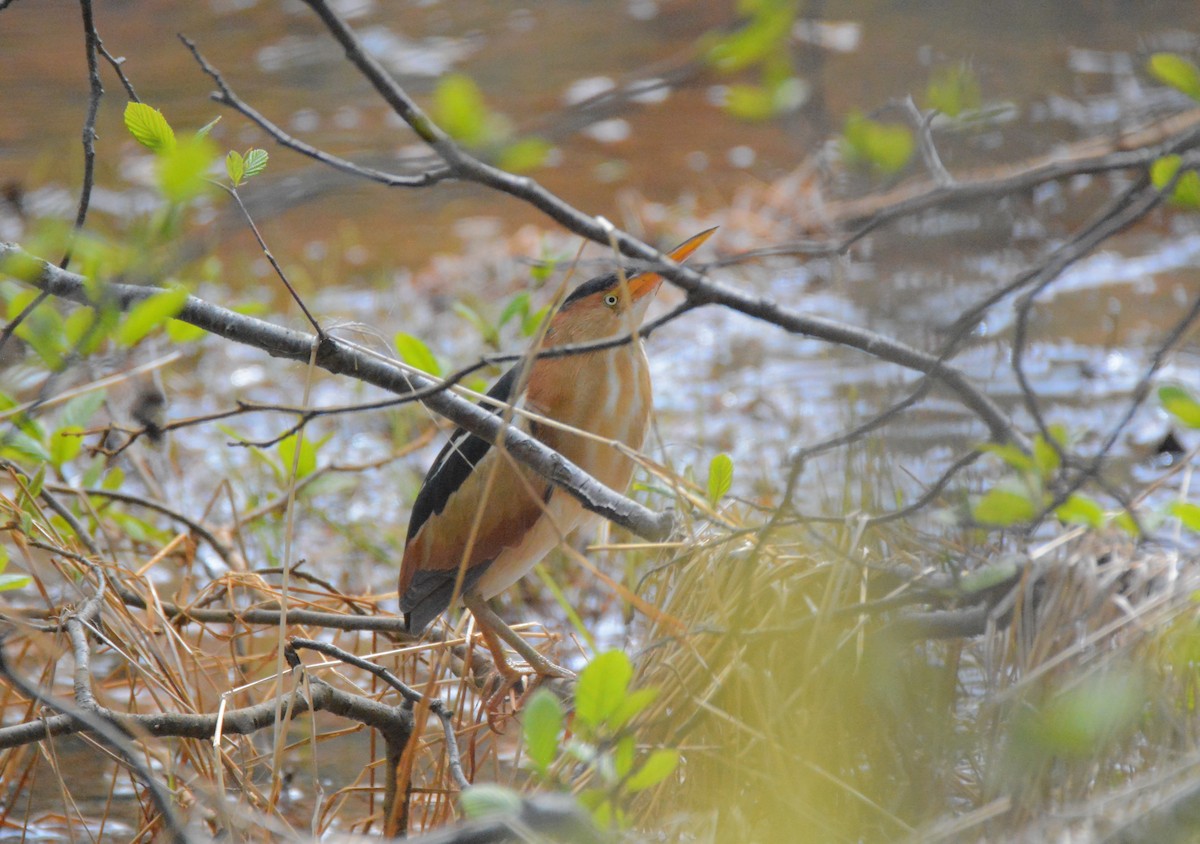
(481, 519)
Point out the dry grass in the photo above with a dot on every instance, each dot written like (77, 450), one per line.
(802, 709)
(798, 719)
(325, 775)
(802, 723)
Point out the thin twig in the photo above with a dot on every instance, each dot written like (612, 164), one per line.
(74, 717)
(927, 497)
(929, 154)
(270, 256)
(436, 705)
(227, 97)
(700, 290)
(341, 358)
(222, 550)
(95, 93)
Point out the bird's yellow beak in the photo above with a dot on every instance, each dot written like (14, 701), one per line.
(641, 285)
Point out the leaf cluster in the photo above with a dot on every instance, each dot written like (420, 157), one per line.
(599, 741)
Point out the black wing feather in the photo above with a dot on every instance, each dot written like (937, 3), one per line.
(456, 461)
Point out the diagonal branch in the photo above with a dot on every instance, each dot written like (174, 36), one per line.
(700, 289)
(85, 715)
(227, 97)
(340, 359)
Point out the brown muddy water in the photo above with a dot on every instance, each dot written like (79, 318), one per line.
(378, 261)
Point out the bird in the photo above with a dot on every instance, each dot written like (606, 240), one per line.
(481, 520)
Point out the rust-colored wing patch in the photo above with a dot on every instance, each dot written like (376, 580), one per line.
(439, 547)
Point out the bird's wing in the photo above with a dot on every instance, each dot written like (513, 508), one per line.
(445, 512)
(455, 462)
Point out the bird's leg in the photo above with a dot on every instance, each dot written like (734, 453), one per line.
(491, 625)
(510, 676)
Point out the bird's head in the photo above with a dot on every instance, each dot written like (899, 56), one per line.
(609, 305)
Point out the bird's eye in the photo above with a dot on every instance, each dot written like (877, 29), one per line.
(611, 300)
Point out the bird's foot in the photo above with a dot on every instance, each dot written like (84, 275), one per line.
(514, 683)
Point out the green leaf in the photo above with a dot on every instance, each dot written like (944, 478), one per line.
(1163, 169)
(542, 723)
(93, 472)
(1010, 454)
(1045, 457)
(149, 127)
(623, 756)
(633, 705)
(543, 269)
(80, 410)
(136, 528)
(14, 581)
(114, 479)
(601, 688)
(415, 353)
(988, 577)
(149, 314)
(1002, 508)
(256, 161)
(1126, 523)
(1081, 510)
(43, 328)
(720, 478)
(768, 30)
(78, 325)
(486, 330)
(488, 799)
(752, 103)
(38, 482)
(1082, 720)
(183, 171)
(656, 768)
(203, 131)
(953, 90)
(1187, 513)
(885, 146)
(307, 461)
(22, 447)
(458, 107)
(86, 329)
(603, 811)
(235, 167)
(533, 322)
(182, 332)
(20, 301)
(1186, 193)
(517, 306)
(1176, 71)
(524, 155)
(1179, 403)
(65, 444)
(22, 266)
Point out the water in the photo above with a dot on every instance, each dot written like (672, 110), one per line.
(397, 260)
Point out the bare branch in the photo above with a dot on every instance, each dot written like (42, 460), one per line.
(929, 154)
(700, 289)
(226, 96)
(436, 705)
(76, 717)
(339, 358)
(222, 550)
